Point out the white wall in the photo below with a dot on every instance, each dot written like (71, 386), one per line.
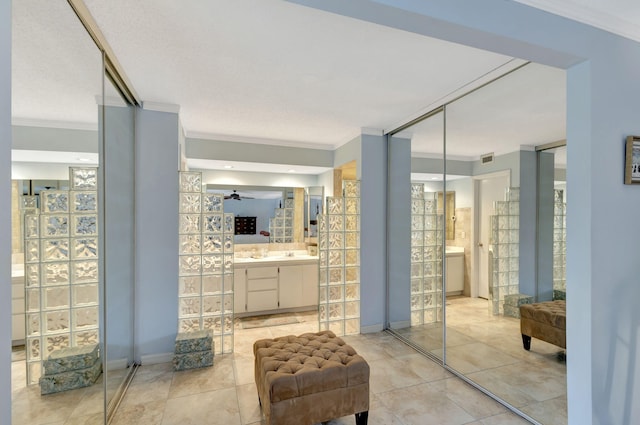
(5, 213)
(373, 238)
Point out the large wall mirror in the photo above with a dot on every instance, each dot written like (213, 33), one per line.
(272, 214)
(59, 117)
(507, 247)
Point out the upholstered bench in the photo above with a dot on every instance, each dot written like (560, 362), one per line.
(311, 378)
(545, 321)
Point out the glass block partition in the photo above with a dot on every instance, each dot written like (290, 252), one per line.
(339, 264)
(426, 256)
(559, 246)
(281, 226)
(505, 247)
(205, 271)
(61, 269)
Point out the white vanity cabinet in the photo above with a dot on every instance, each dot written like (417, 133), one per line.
(17, 305)
(455, 273)
(298, 286)
(264, 286)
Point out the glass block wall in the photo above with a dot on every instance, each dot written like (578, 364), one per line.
(339, 264)
(559, 245)
(504, 243)
(205, 270)
(426, 257)
(281, 226)
(61, 269)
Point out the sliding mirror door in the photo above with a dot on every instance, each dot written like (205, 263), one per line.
(504, 226)
(117, 172)
(57, 85)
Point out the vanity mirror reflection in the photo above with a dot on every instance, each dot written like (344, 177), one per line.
(271, 214)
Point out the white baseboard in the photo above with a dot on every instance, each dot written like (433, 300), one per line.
(401, 324)
(371, 329)
(156, 358)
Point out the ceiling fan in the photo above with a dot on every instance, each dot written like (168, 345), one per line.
(236, 196)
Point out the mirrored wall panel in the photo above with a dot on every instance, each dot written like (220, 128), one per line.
(487, 241)
(58, 332)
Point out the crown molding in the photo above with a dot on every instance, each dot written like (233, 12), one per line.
(255, 140)
(160, 107)
(67, 125)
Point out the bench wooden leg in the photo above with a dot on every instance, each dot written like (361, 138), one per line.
(526, 342)
(362, 418)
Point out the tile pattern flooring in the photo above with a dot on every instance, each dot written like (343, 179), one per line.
(406, 389)
(488, 350)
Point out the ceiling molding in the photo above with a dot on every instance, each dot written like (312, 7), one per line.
(596, 17)
(31, 122)
(256, 140)
(372, 131)
(161, 107)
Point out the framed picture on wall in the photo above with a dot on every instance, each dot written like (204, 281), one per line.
(632, 160)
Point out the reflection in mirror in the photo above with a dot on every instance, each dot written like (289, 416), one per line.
(424, 307)
(513, 245)
(450, 227)
(507, 247)
(117, 172)
(56, 80)
(265, 214)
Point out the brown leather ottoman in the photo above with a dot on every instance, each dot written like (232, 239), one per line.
(545, 321)
(311, 378)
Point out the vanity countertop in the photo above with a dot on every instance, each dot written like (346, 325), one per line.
(273, 260)
(454, 250)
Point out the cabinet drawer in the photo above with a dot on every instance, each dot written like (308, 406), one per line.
(260, 272)
(262, 284)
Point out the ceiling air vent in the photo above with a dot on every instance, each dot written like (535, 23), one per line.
(486, 158)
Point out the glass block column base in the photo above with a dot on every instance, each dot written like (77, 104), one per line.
(513, 302)
(70, 380)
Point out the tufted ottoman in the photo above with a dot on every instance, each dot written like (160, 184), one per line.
(311, 378)
(545, 321)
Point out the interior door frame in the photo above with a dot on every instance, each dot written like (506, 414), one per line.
(475, 228)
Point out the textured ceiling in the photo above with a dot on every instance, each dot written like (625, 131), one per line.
(279, 71)
(275, 71)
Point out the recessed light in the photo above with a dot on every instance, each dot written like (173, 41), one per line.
(228, 167)
(291, 170)
(83, 159)
(435, 178)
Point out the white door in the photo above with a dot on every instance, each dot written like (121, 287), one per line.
(488, 190)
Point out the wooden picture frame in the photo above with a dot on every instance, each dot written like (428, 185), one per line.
(632, 160)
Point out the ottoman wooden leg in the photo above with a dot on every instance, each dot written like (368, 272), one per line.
(361, 418)
(526, 342)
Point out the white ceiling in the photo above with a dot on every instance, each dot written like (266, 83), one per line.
(275, 71)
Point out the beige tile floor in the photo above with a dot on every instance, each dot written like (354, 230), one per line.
(406, 388)
(488, 350)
